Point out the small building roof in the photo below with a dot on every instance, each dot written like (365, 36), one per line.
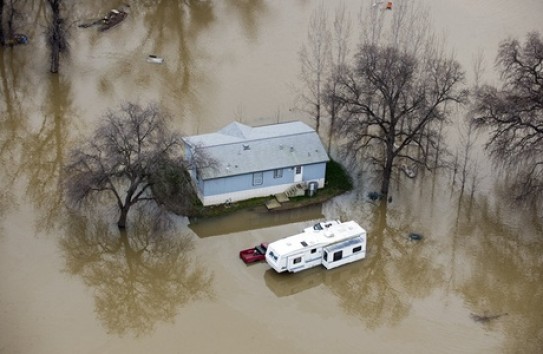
(240, 149)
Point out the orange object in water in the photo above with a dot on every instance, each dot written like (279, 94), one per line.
(389, 5)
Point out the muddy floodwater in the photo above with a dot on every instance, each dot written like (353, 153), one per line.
(72, 283)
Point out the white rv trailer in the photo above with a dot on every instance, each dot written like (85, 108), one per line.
(331, 244)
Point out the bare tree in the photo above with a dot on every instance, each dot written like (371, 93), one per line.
(513, 113)
(315, 58)
(131, 151)
(392, 101)
(395, 95)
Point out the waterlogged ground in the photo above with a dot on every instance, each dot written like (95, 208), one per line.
(72, 283)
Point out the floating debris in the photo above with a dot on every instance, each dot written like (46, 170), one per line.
(155, 59)
(485, 318)
(110, 20)
(17, 38)
(373, 196)
(410, 172)
(90, 23)
(415, 236)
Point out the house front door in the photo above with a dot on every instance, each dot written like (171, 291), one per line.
(298, 174)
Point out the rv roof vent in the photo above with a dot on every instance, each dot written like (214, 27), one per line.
(291, 148)
(246, 147)
(328, 233)
(304, 243)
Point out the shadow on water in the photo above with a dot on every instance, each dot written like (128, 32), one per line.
(251, 219)
(286, 284)
(139, 277)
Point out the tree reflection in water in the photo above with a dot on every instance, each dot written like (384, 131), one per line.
(380, 289)
(42, 153)
(504, 251)
(139, 276)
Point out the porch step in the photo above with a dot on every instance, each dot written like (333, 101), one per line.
(282, 197)
(272, 204)
(296, 190)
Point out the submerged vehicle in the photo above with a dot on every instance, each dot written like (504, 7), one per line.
(331, 244)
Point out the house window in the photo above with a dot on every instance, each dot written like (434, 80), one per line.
(278, 173)
(298, 170)
(257, 178)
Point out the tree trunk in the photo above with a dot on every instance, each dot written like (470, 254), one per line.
(331, 129)
(55, 45)
(122, 218)
(55, 40)
(11, 32)
(2, 35)
(318, 115)
(387, 174)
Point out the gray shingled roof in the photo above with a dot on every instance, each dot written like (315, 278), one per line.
(241, 149)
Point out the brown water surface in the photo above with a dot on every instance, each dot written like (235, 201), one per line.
(71, 283)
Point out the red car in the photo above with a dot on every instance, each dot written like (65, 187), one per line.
(255, 254)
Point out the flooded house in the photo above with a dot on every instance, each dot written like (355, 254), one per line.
(257, 161)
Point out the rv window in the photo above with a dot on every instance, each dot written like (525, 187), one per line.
(272, 255)
(325, 256)
(357, 249)
(297, 260)
(338, 255)
(313, 250)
